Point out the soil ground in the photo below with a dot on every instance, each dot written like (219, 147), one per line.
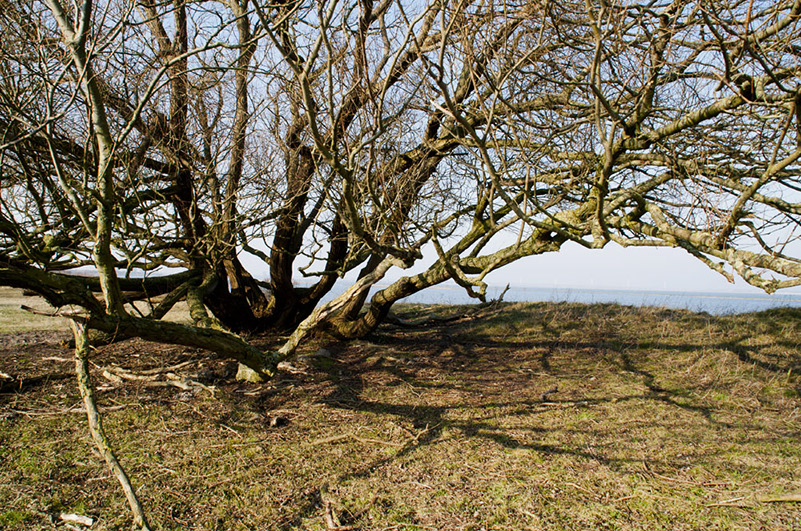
(526, 416)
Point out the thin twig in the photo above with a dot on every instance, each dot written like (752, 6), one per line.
(725, 502)
(795, 497)
(582, 489)
(377, 441)
(344, 436)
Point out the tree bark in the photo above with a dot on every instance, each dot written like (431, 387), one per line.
(96, 424)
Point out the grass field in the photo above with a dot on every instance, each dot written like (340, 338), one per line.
(533, 416)
(13, 319)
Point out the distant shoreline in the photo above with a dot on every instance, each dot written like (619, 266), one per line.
(717, 303)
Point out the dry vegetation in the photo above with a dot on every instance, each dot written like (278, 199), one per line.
(662, 420)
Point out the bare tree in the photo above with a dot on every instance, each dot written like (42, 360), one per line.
(158, 144)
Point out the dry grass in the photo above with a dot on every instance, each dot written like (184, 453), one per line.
(662, 420)
(13, 319)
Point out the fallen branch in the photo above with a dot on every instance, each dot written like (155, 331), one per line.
(147, 374)
(152, 378)
(794, 497)
(172, 368)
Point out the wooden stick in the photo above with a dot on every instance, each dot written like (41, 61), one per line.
(795, 497)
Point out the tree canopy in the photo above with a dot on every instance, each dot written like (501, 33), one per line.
(157, 143)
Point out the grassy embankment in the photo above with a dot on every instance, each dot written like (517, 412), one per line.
(662, 420)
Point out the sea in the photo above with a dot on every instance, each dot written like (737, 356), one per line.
(721, 303)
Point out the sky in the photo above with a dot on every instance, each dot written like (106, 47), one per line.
(576, 267)
(614, 267)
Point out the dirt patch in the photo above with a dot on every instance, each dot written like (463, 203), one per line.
(536, 416)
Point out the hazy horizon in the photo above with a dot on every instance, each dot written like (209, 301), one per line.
(613, 268)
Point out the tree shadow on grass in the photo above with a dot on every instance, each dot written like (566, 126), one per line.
(658, 393)
(465, 373)
(17, 386)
